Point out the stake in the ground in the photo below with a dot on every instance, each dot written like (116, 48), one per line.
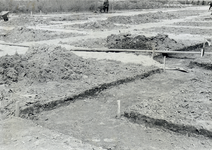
(118, 109)
(202, 52)
(164, 63)
(17, 109)
(153, 51)
(203, 49)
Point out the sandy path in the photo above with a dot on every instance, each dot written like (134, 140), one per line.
(21, 134)
(123, 57)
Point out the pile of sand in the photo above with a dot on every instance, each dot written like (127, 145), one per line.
(99, 25)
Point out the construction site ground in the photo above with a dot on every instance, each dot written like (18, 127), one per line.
(67, 99)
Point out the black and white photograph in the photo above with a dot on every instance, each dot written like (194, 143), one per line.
(105, 74)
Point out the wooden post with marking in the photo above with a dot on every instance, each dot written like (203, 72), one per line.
(119, 109)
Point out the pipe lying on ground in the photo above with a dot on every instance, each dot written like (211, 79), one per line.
(11, 44)
(136, 50)
(118, 50)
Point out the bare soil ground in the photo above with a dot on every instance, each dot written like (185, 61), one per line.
(23, 34)
(71, 96)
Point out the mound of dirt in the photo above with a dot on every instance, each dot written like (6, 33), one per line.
(204, 24)
(150, 17)
(69, 18)
(128, 41)
(89, 43)
(99, 25)
(22, 20)
(47, 73)
(44, 63)
(180, 30)
(23, 34)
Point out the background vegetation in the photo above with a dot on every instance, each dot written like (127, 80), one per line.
(48, 6)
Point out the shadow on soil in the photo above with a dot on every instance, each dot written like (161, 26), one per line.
(195, 47)
(160, 123)
(179, 128)
(201, 64)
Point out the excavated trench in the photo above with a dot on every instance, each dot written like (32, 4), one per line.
(93, 123)
(202, 63)
(31, 111)
(160, 123)
(28, 112)
(188, 130)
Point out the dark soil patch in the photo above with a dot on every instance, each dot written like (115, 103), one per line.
(68, 18)
(179, 128)
(203, 62)
(128, 41)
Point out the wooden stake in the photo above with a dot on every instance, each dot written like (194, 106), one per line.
(202, 52)
(164, 63)
(119, 108)
(17, 109)
(112, 7)
(153, 52)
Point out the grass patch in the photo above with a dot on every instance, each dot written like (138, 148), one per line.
(48, 6)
